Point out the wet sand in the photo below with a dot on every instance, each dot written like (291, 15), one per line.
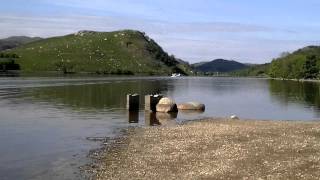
(214, 149)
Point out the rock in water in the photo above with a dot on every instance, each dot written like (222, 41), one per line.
(166, 105)
(192, 106)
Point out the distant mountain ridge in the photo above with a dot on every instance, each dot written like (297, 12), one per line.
(219, 65)
(15, 41)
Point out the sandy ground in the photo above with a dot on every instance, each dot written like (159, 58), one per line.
(215, 149)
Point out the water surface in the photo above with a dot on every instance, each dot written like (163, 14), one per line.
(44, 122)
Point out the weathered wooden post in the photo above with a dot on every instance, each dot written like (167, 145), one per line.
(151, 102)
(133, 102)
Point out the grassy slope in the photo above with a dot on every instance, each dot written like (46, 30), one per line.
(99, 52)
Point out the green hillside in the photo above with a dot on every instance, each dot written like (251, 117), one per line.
(301, 64)
(119, 52)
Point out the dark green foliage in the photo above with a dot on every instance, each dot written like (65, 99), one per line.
(14, 56)
(8, 64)
(301, 64)
(310, 67)
(65, 66)
(122, 72)
(160, 54)
(8, 55)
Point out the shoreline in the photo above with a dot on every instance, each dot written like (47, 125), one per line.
(53, 74)
(214, 148)
(297, 80)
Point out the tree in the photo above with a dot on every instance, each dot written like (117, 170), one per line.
(284, 54)
(64, 66)
(14, 56)
(129, 43)
(310, 67)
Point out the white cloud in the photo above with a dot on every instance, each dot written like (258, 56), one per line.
(74, 23)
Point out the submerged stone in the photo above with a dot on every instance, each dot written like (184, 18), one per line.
(192, 106)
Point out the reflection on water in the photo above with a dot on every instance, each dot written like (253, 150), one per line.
(291, 91)
(51, 118)
(151, 119)
(158, 118)
(191, 112)
(167, 118)
(97, 96)
(133, 116)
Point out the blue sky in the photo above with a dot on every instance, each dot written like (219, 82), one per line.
(194, 30)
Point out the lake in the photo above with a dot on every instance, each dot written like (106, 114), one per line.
(45, 122)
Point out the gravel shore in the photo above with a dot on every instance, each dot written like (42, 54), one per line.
(215, 149)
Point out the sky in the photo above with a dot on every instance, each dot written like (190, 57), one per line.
(193, 30)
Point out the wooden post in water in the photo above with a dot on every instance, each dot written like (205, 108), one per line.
(133, 102)
(151, 102)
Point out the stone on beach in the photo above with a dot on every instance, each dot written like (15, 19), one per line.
(166, 105)
(192, 106)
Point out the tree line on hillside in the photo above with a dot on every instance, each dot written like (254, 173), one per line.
(164, 57)
(8, 62)
(297, 67)
(8, 55)
(301, 64)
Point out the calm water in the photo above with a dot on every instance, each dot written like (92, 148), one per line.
(44, 122)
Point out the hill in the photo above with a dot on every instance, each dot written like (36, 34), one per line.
(15, 41)
(219, 65)
(301, 64)
(255, 70)
(118, 52)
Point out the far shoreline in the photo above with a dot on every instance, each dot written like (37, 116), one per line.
(53, 74)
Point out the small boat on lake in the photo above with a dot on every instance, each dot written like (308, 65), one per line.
(176, 75)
